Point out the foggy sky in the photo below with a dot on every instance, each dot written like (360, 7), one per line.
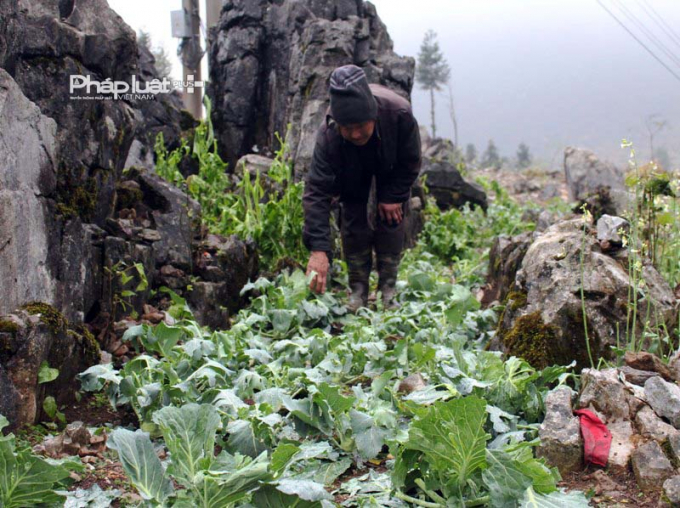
(550, 73)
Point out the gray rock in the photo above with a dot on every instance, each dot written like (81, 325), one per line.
(449, 188)
(622, 445)
(671, 489)
(27, 176)
(551, 277)
(674, 447)
(270, 63)
(253, 164)
(586, 174)
(560, 433)
(664, 398)
(602, 390)
(651, 467)
(608, 229)
(505, 259)
(651, 426)
(635, 376)
(176, 218)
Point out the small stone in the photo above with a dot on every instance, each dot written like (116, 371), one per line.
(651, 426)
(105, 357)
(622, 445)
(154, 317)
(608, 227)
(412, 383)
(664, 398)
(54, 445)
(602, 390)
(98, 439)
(635, 376)
(88, 459)
(122, 350)
(150, 235)
(651, 467)
(649, 362)
(171, 271)
(115, 345)
(674, 448)
(560, 433)
(78, 433)
(605, 485)
(671, 489)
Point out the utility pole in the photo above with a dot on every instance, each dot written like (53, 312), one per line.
(212, 12)
(191, 61)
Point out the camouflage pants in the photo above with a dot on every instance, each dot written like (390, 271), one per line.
(362, 233)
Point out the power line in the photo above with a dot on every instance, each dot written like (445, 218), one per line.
(657, 42)
(668, 30)
(639, 41)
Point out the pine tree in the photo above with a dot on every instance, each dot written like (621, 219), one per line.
(432, 71)
(523, 156)
(491, 158)
(162, 62)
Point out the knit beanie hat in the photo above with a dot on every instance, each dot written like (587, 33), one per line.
(351, 98)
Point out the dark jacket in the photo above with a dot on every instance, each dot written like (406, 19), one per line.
(336, 169)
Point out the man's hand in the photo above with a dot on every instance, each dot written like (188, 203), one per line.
(318, 262)
(392, 213)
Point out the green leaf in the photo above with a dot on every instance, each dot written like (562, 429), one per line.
(141, 464)
(26, 480)
(452, 437)
(559, 499)
(337, 402)
(189, 434)
(505, 481)
(420, 281)
(50, 407)
(244, 439)
(94, 497)
(282, 456)
(270, 497)
(368, 437)
(304, 489)
(230, 479)
(47, 374)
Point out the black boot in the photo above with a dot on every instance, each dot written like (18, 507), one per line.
(359, 272)
(388, 268)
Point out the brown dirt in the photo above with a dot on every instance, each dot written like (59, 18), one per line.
(95, 411)
(626, 494)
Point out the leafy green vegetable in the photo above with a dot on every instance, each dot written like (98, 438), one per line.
(26, 480)
(452, 439)
(141, 464)
(189, 434)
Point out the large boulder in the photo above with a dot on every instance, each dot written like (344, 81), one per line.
(31, 337)
(270, 61)
(587, 175)
(449, 188)
(27, 175)
(442, 177)
(545, 324)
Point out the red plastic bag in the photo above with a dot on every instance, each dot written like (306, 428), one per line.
(596, 438)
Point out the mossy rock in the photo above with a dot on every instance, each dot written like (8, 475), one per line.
(128, 196)
(8, 326)
(76, 196)
(50, 316)
(531, 339)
